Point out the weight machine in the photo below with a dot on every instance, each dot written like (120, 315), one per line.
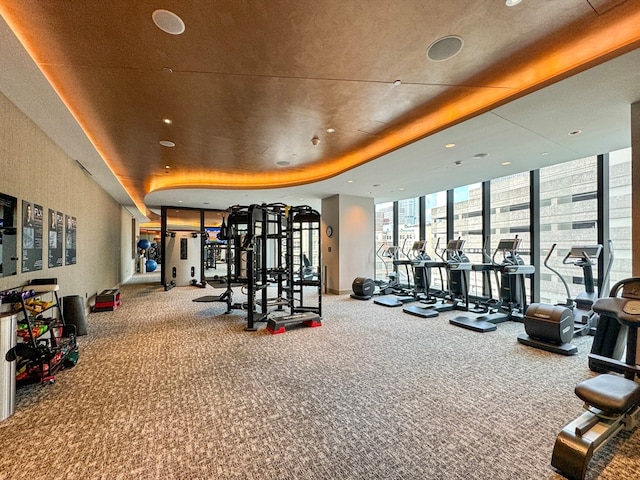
(269, 247)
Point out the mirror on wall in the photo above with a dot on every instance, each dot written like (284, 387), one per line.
(8, 236)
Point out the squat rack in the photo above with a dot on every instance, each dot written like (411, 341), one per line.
(273, 245)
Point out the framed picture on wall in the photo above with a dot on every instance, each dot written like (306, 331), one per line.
(32, 223)
(55, 222)
(70, 226)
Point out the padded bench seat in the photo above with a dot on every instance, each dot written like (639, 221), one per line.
(609, 393)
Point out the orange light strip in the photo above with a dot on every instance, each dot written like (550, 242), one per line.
(609, 36)
(31, 49)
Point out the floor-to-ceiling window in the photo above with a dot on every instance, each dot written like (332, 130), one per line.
(620, 214)
(436, 232)
(467, 220)
(568, 210)
(568, 218)
(384, 239)
(408, 234)
(510, 218)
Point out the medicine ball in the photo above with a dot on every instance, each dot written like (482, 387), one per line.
(363, 286)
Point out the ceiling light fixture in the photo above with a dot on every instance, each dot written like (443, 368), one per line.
(512, 3)
(544, 154)
(450, 145)
(457, 163)
(397, 83)
(167, 166)
(349, 181)
(168, 22)
(315, 141)
(283, 163)
(167, 70)
(478, 156)
(167, 143)
(506, 163)
(167, 121)
(575, 132)
(331, 130)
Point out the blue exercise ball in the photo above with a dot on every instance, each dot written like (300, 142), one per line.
(151, 265)
(143, 243)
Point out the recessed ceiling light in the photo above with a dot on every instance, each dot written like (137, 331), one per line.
(450, 145)
(511, 3)
(167, 70)
(283, 163)
(205, 203)
(167, 143)
(397, 83)
(168, 121)
(457, 163)
(401, 188)
(480, 155)
(167, 167)
(506, 163)
(575, 132)
(544, 154)
(376, 185)
(331, 130)
(349, 181)
(179, 201)
(168, 22)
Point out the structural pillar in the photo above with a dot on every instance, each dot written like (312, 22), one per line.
(348, 233)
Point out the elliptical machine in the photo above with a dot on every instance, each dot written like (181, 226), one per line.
(512, 289)
(551, 327)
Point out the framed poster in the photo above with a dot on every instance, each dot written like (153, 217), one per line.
(70, 240)
(56, 227)
(32, 223)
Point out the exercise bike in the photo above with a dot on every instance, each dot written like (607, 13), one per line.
(551, 327)
(612, 402)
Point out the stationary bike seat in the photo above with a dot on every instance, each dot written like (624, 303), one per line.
(609, 393)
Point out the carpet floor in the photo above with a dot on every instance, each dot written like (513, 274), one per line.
(168, 388)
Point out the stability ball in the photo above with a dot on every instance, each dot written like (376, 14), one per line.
(144, 244)
(151, 265)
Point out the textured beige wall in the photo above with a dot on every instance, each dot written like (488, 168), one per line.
(35, 169)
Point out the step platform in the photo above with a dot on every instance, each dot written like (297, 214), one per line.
(279, 324)
(108, 301)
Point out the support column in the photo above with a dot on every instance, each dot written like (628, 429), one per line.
(350, 250)
(635, 193)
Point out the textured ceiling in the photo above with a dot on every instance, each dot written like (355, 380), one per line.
(250, 83)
